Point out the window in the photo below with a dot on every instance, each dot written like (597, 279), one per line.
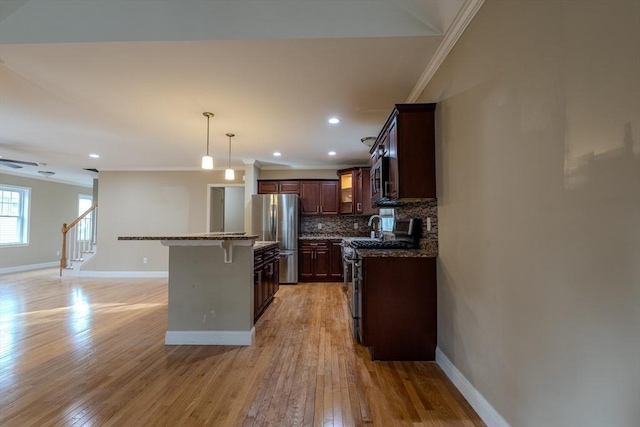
(14, 215)
(387, 219)
(85, 226)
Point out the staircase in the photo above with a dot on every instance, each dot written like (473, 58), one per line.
(79, 242)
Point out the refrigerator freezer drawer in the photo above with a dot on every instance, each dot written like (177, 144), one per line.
(288, 266)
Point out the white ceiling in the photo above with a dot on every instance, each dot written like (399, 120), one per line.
(129, 80)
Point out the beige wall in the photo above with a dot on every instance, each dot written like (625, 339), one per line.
(148, 204)
(539, 224)
(160, 203)
(299, 174)
(234, 209)
(52, 204)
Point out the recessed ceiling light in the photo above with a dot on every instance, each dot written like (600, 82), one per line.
(332, 153)
(277, 154)
(95, 156)
(334, 120)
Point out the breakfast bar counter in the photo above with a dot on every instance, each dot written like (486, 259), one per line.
(210, 288)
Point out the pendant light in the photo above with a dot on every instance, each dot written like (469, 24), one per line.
(207, 160)
(229, 174)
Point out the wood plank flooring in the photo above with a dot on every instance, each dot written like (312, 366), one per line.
(90, 352)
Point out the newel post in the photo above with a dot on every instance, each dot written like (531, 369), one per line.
(63, 254)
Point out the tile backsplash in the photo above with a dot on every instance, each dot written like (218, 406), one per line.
(334, 225)
(342, 225)
(422, 210)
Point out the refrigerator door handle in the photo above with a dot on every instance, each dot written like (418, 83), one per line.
(274, 222)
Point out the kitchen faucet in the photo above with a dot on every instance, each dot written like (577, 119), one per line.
(376, 230)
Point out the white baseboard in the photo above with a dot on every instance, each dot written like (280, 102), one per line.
(210, 337)
(124, 274)
(489, 415)
(29, 267)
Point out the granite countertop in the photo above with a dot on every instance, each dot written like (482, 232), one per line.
(429, 249)
(195, 236)
(330, 237)
(396, 253)
(264, 244)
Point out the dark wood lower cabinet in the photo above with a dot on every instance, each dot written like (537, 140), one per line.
(399, 317)
(320, 261)
(266, 278)
(335, 261)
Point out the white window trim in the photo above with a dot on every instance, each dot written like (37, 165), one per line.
(27, 215)
(83, 196)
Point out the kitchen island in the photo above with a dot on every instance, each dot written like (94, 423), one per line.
(211, 280)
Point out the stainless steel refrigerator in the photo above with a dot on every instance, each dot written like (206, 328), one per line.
(276, 217)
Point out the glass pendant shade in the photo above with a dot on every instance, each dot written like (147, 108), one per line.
(207, 162)
(229, 175)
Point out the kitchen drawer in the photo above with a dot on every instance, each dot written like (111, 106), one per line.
(319, 244)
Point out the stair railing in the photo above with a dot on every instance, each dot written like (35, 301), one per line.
(83, 237)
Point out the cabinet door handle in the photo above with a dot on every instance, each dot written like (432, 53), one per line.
(359, 207)
(386, 188)
(317, 209)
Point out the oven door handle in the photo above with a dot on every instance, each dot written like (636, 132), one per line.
(355, 270)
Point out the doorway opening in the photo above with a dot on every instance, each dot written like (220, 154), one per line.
(225, 208)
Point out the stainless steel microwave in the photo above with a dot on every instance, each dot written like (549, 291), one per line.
(379, 179)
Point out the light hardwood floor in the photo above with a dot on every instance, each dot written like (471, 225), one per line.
(81, 352)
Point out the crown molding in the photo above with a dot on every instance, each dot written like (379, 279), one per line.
(48, 179)
(460, 23)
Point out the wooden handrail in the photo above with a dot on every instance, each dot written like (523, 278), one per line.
(65, 229)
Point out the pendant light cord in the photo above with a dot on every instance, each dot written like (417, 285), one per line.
(230, 135)
(208, 135)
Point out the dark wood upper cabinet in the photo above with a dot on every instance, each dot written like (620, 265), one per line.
(392, 149)
(319, 197)
(290, 187)
(329, 197)
(408, 138)
(354, 191)
(270, 186)
(309, 198)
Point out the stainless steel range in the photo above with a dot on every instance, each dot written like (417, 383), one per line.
(351, 264)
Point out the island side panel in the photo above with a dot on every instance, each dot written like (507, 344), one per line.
(207, 294)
